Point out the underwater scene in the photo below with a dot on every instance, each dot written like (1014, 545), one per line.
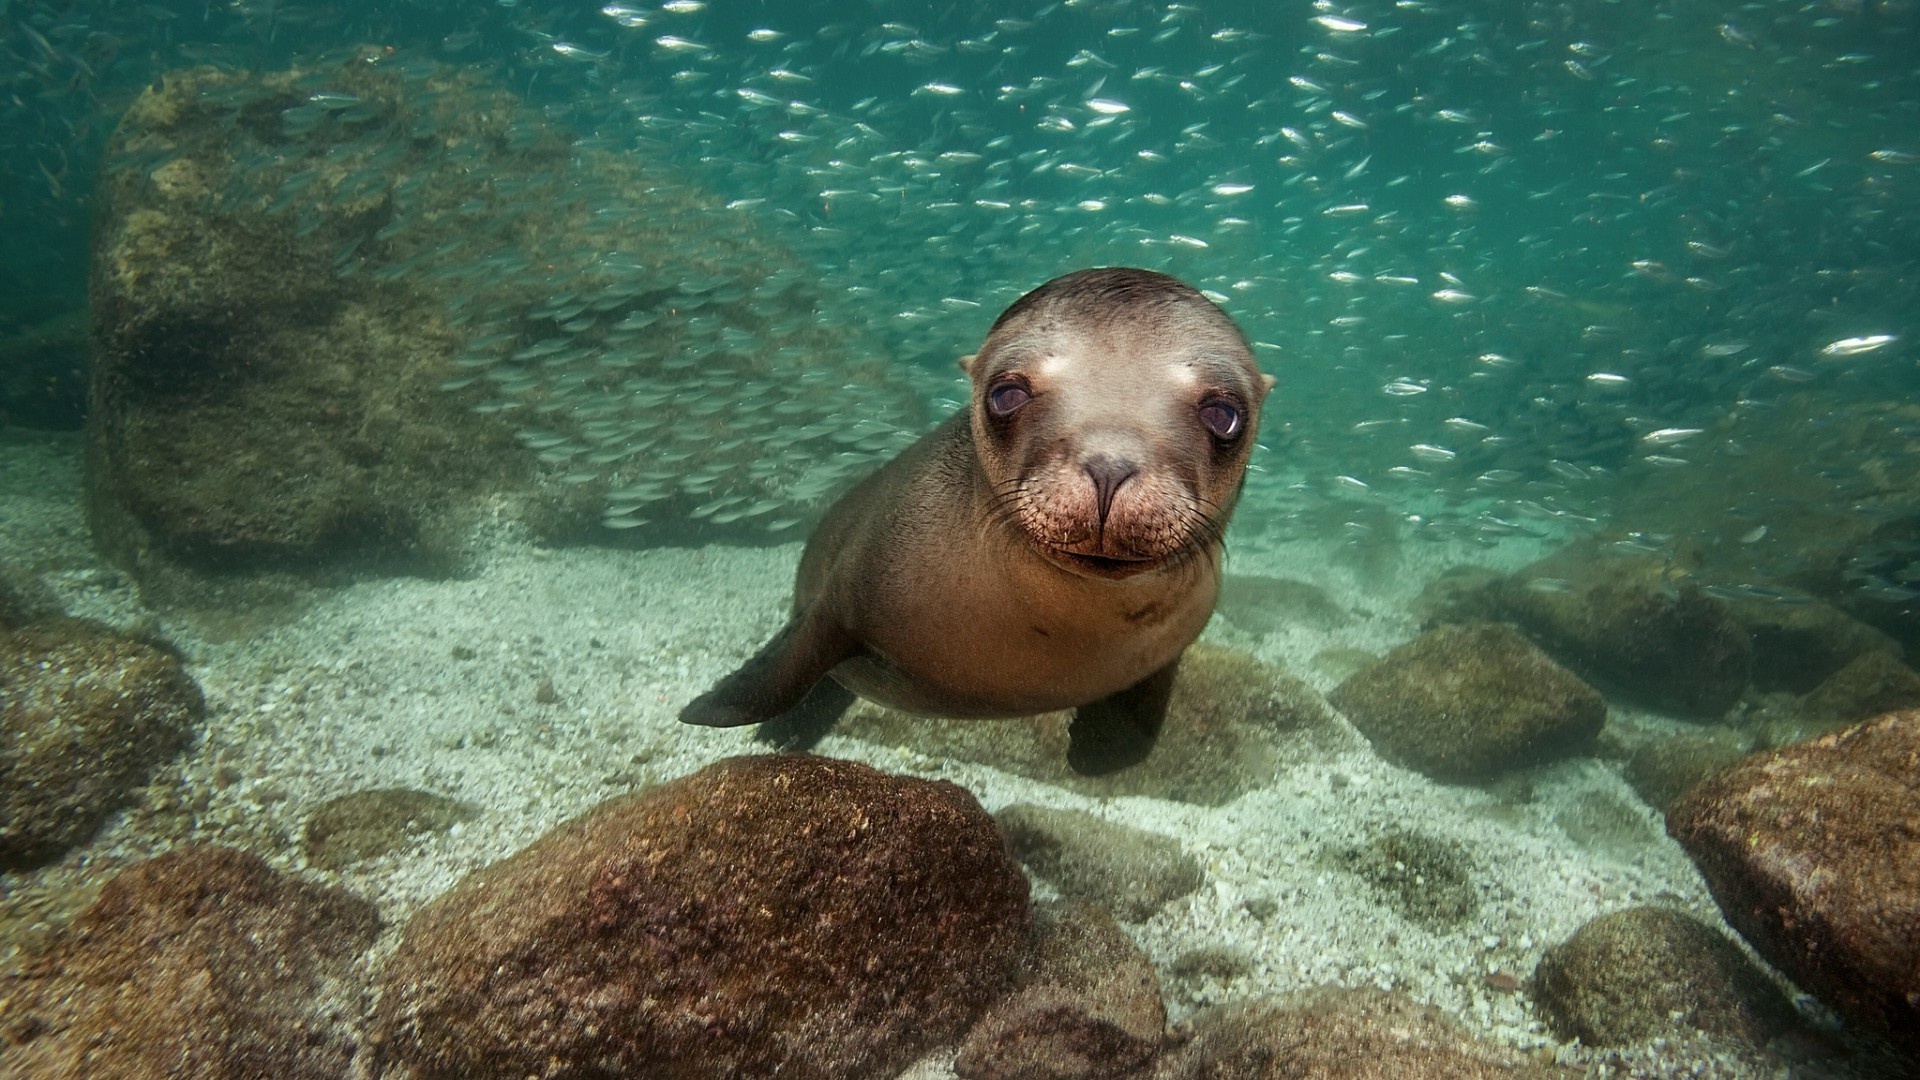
(878, 539)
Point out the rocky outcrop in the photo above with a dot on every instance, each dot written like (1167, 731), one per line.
(1663, 768)
(1798, 646)
(793, 916)
(1875, 683)
(1813, 854)
(1336, 1034)
(1625, 622)
(1267, 605)
(1463, 703)
(1650, 972)
(86, 715)
(1088, 1007)
(367, 824)
(1130, 871)
(203, 962)
(1230, 719)
(343, 313)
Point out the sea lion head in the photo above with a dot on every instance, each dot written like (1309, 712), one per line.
(1113, 412)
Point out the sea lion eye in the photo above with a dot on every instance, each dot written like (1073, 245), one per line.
(1221, 418)
(1003, 399)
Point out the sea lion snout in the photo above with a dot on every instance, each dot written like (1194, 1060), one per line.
(1107, 474)
(1107, 514)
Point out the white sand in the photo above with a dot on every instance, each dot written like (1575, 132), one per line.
(361, 688)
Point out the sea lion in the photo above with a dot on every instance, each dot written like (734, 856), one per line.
(1055, 545)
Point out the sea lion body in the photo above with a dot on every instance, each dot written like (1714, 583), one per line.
(1056, 545)
(993, 631)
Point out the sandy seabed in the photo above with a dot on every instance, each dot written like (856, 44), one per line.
(548, 680)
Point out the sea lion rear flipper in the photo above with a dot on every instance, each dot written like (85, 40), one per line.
(779, 678)
(1118, 730)
(803, 726)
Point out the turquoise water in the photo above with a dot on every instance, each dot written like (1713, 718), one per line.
(1422, 211)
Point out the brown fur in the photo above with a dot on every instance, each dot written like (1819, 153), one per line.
(961, 566)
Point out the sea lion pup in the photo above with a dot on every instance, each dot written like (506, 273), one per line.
(1056, 545)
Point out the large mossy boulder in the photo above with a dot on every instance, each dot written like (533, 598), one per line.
(203, 962)
(86, 715)
(767, 916)
(1339, 1034)
(1464, 703)
(1813, 854)
(1799, 645)
(1088, 1007)
(343, 314)
(1230, 723)
(1623, 621)
(1129, 871)
(1649, 972)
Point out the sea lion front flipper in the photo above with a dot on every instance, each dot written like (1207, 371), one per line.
(1118, 730)
(779, 678)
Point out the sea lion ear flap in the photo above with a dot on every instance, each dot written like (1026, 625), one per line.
(967, 362)
(1266, 384)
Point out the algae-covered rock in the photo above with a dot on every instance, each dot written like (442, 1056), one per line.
(786, 915)
(1661, 770)
(1626, 622)
(1648, 972)
(1463, 703)
(1605, 822)
(342, 313)
(1088, 1007)
(86, 714)
(364, 824)
(1813, 855)
(1262, 605)
(1427, 879)
(1339, 1034)
(202, 962)
(1874, 683)
(1230, 722)
(1130, 871)
(1798, 646)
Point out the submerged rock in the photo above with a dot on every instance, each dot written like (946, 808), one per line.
(788, 915)
(365, 824)
(1621, 621)
(1428, 880)
(1798, 646)
(1263, 605)
(86, 715)
(1088, 1007)
(343, 313)
(1812, 853)
(202, 962)
(1875, 683)
(1649, 972)
(1463, 703)
(1338, 1034)
(1228, 722)
(1130, 871)
(1663, 769)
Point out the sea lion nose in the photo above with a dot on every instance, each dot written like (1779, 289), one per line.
(1107, 474)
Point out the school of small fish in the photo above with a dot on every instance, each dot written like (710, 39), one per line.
(1498, 256)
